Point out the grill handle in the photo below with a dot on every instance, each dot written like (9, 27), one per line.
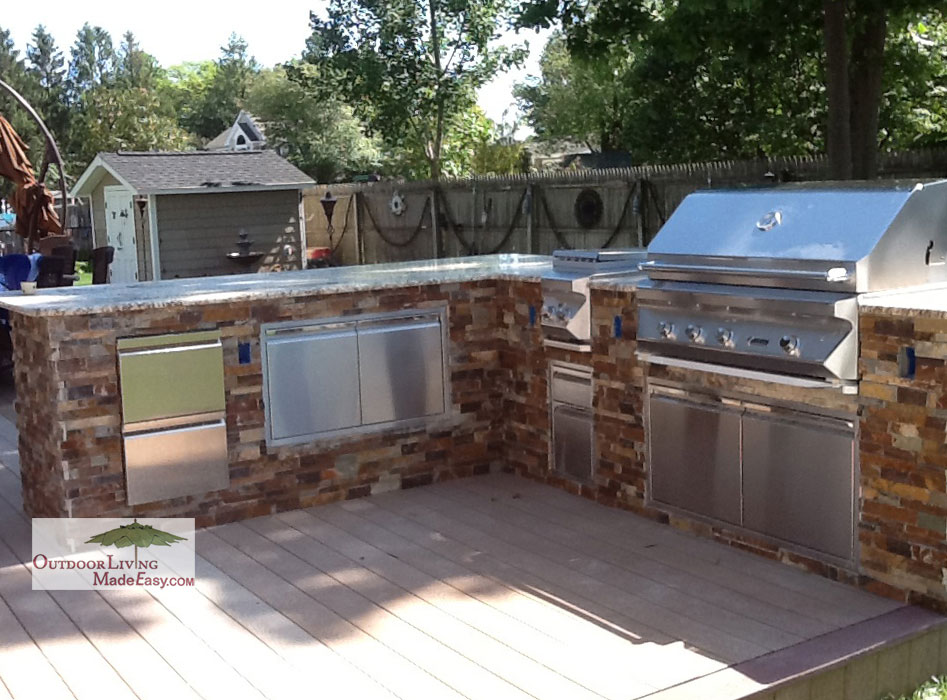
(835, 274)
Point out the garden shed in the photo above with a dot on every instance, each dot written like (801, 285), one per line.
(181, 214)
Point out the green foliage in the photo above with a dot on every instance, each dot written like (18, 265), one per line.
(409, 69)
(320, 137)
(585, 98)
(715, 79)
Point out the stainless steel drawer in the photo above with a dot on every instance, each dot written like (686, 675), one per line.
(571, 386)
(175, 462)
(572, 442)
(171, 375)
(401, 369)
(312, 381)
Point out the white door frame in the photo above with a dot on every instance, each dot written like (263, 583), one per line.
(124, 192)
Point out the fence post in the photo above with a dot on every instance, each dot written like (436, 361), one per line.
(436, 224)
(530, 204)
(359, 230)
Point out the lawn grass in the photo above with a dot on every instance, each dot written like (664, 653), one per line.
(84, 270)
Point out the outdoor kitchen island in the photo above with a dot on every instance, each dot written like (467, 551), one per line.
(492, 411)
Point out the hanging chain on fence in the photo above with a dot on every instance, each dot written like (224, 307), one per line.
(467, 247)
(652, 190)
(621, 219)
(512, 227)
(552, 224)
(414, 234)
(345, 224)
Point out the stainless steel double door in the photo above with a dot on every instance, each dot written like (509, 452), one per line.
(785, 474)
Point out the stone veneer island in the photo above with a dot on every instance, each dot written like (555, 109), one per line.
(69, 408)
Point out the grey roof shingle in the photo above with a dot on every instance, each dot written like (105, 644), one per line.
(194, 170)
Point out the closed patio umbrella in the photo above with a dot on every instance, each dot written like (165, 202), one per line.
(32, 202)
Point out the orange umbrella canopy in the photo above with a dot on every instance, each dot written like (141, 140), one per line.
(32, 202)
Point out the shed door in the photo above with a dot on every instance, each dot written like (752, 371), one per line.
(120, 230)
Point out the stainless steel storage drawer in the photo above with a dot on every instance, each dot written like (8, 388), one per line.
(311, 380)
(170, 375)
(572, 441)
(401, 369)
(571, 386)
(175, 462)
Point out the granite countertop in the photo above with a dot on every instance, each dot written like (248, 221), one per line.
(64, 301)
(928, 300)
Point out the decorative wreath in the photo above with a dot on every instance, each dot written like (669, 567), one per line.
(397, 205)
(588, 208)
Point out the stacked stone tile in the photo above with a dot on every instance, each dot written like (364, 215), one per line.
(71, 453)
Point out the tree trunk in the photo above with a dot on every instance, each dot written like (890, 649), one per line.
(838, 134)
(435, 155)
(867, 65)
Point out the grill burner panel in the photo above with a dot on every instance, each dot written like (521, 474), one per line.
(796, 332)
(565, 314)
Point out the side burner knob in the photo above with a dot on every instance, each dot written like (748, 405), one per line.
(789, 344)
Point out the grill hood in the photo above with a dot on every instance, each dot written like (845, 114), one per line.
(857, 237)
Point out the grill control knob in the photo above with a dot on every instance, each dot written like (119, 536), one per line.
(725, 336)
(695, 333)
(666, 330)
(789, 344)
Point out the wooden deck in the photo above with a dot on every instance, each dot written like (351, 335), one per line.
(491, 587)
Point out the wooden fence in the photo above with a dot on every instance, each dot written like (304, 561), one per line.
(540, 212)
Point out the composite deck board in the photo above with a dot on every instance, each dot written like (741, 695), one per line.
(519, 514)
(478, 531)
(24, 669)
(491, 587)
(668, 563)
(345, 592)
(141, 667)
(285, 637)
(494, 592)
(401, 677)
(524, 531)
(493, 639)
(752, 567)
(77, 661)
(658, 663)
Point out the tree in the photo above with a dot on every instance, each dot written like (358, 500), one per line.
(128, 119)
(134, 67)
(47, 92)
(320, 137)
(92, 62)
(226, 89)
(809, 75)
(408, 68)
(185, 86)
(586, 99)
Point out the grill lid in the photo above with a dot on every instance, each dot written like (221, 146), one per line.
(860, 236)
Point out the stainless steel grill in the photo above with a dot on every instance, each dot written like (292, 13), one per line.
(766, 282)
(565, 317)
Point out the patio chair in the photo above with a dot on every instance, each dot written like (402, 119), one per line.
(101, 259)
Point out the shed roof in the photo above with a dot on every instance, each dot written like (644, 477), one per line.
(188, 172)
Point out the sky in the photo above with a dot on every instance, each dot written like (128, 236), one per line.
(175, 31)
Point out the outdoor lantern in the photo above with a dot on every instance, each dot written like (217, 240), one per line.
(328, 205)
